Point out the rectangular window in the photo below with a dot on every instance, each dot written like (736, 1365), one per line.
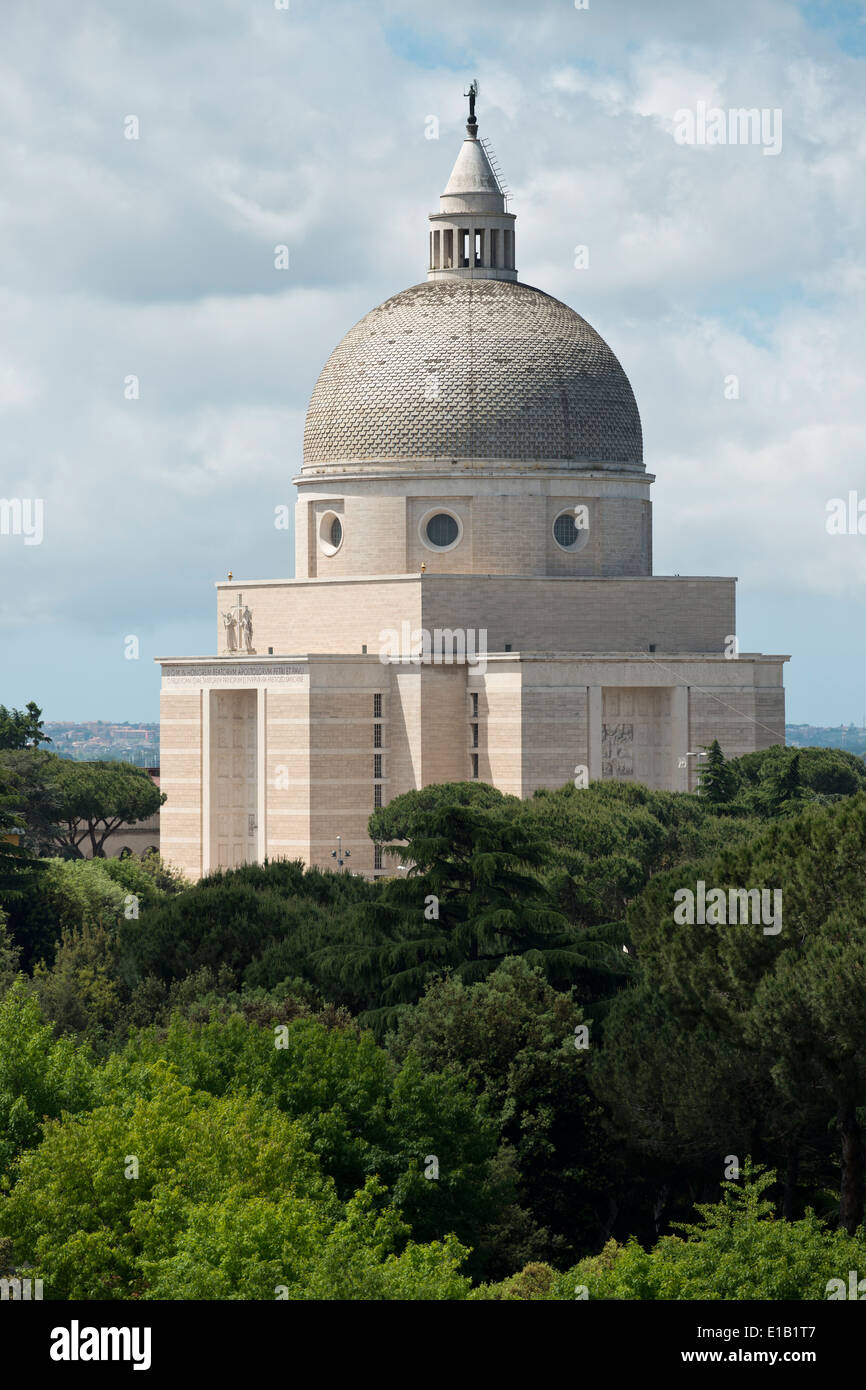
(436, 245)
(377, 795)
(464, 245)
(448, 254)
(474, 704)
(377, 706)
(474, 735)
(494, 246)
(475, 766)
(508, 257)
(377, 764)
(479, 248)
(377, 735)
(377, 856)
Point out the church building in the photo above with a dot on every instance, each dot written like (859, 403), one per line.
(474, 595)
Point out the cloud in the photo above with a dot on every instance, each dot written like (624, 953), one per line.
(155, 257)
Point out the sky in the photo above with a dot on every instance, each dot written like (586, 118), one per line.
(155, 365)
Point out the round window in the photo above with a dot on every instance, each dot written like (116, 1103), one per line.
(330, 533)
(442, 530)
(571, 529)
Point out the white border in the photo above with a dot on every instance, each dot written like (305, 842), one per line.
(325, 546)
(422, 530)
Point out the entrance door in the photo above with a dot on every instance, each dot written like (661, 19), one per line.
(234, 832)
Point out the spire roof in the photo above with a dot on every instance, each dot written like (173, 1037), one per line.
(472, 172)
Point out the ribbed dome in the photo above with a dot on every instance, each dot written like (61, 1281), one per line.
(473, 369)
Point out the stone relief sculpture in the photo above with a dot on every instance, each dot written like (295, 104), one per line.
(617, 750)
(238, 624)
(230, 631)
(247, 629)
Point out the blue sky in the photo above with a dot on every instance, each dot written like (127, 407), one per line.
(306, 127)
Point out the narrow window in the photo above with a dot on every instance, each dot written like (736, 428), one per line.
(475, 767)
(377, 764)
(448, 263)
(377, 856)
(494, 246)
(377, 795)
(464, 246)
(474, 704)
(377, 735)
(474, 735)
(377, 706)
(479, 248)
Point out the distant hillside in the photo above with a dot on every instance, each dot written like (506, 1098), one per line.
(847, 736)
(98, 740)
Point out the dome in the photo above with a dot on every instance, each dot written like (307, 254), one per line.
(473, 369)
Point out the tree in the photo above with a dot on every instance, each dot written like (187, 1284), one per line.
(794, 998)
(518, 1040)
(824, 771)
(40, 1076)
(166, 1191)
(22, 728)
(717, 783)
(786, 788)
(64, 805)
(737, 1249)
(95, 799)
(17, 868)
(473, 895)
(365, 1115)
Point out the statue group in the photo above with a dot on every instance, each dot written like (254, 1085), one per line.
(238, 626)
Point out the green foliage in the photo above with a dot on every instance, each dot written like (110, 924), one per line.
(40, 1076)
(73, 894)
(22, 728)
(10, 956)
(737, 1250)
(81, 993)
(717, 782)
(365, 1115)
(790, 1004)
(96, 798)
(261, 1248)
(503, 937)
(515, 1038)
(162, 1191)
(65, 805)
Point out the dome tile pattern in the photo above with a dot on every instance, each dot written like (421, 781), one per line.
(473, 369)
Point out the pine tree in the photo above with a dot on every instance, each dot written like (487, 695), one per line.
(717, 781)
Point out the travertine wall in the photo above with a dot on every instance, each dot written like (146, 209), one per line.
(299, 617)
(584, 615)
(539, 718)
(507, 524)
(554, 726)
(181, 778)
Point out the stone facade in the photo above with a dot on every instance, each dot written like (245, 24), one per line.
(475, 596)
